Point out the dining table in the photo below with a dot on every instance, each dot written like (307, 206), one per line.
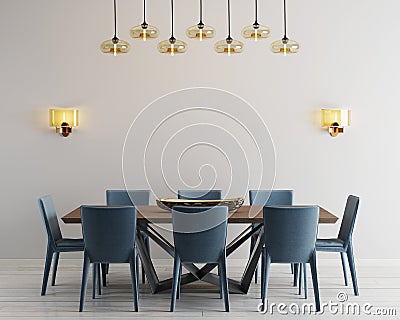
(148, 217)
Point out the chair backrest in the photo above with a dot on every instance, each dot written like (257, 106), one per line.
(200, 194)
(290, 232)
(50, 220)
(271, 197)
(199, 233)
(109, 233)
(128, 197)
(349, 219)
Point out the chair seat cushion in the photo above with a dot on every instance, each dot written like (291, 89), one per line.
(74, 243)
(329, 243)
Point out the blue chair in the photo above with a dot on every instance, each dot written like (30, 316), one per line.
(109, 237)
(55, 241)
(343, 243)
(193, 194)
(199, 237)
(290, 234)
(200, 194)
(269, 198)
(128, 198)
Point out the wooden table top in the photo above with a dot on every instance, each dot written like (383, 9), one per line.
(245, 214)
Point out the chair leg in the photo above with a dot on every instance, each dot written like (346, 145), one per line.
(137, 273)
(135, 289)
(104, 273)
(262, 267)
(220, 282)
(305, 280)
(85, 274)
(313, 264)
(47, 264)
(175, 282)
(178, 292)
(292, 268)
(263, 262)
(224, 284)
(344, 268)
(137, 269)
(94, 279)
(350, 258)
(98, 279)
(300, 275)
(137, 264)
(56, 256)
(264, 287)
(295, 274)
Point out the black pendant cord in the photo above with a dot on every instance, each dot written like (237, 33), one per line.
(172, 38)
(115, 19)
(201, 12)
(172, 18)
(229, 19)
(256, 13)
(284, 19)
(200, 25)
(144, 13)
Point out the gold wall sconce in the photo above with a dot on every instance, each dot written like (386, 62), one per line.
(335, 120)
(64, 120)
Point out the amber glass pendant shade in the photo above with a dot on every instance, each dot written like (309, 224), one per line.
(256, 32)
(144, 32)
(229, 46)
(285, 46)
(172, 46)
(200, 32)
(115, 46)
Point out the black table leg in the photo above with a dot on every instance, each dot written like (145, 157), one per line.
(195, 273)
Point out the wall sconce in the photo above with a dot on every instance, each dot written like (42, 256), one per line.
(336, 120)
(63, 120)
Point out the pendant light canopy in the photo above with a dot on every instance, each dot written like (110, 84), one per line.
(144, 31)
(256, 31)
(229, 45)
(172, 45)
(285, 45)
(115, 46)
(200, 31)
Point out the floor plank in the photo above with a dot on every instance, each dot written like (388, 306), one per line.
(20, 282)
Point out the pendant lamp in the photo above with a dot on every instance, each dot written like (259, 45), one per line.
(115, 46)
(144, 31)
(200, 31)
(229, 45)
(285, 45)
(256, 31)
(172, 45)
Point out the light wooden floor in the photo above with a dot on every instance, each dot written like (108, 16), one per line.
(20, 282)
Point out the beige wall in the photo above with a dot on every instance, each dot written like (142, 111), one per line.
(50, 57)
